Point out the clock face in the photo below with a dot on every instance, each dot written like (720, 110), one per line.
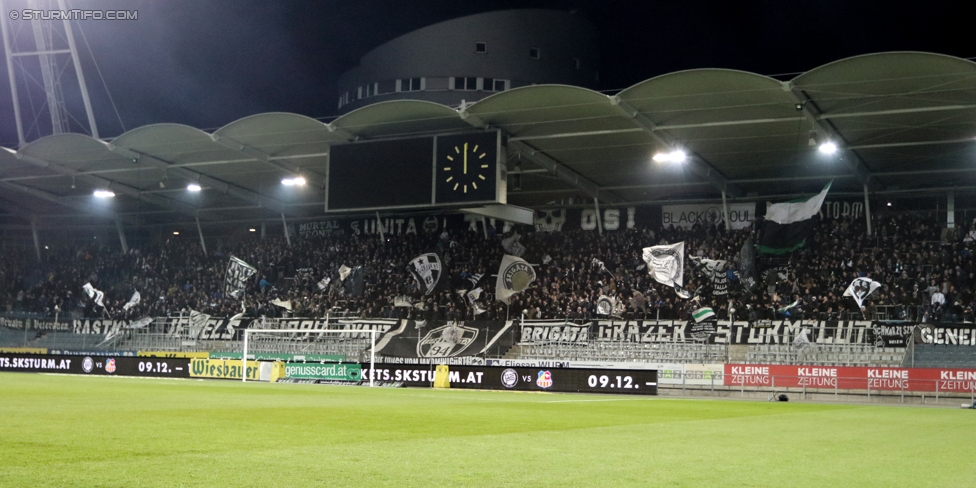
(466, 168)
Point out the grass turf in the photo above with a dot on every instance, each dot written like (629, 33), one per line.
(98, 431)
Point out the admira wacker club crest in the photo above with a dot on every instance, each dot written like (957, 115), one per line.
(446, 341)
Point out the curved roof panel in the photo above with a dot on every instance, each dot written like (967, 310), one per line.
(548, 109)
(398, 118)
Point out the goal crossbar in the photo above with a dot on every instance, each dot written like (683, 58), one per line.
(372, 343)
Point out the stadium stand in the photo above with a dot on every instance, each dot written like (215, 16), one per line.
(908, 255)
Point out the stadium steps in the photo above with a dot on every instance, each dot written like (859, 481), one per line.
(939, 356)
(514, 352)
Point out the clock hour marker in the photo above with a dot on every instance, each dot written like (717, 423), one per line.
(447, 168)
(481, 176)
(456, 150)
(465, 188)
(449, 157)
(455, 186)
(482, 155)
(475, 149)
(484, 165)
(449, 179)
(474, 184)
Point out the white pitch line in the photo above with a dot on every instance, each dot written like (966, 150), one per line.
(598, 400)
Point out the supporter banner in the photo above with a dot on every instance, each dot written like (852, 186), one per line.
(888, 334)
(611, 219)
(949, 334)
(851, 378)
(94, 365)
(631, 381)
(741, 215)
(330, 372)
(25, 350)
(553, 332)
(440, 339)
(832, 209)
(172, 354)
(725, 332)
(267, 356)
(35, 324)
(232, 369)
(93, 353)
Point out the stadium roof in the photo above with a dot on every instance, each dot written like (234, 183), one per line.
(904, 122)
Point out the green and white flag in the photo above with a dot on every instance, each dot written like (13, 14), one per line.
(789, 223)
(703, 313)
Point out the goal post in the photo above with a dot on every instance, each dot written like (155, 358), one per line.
(298, 340)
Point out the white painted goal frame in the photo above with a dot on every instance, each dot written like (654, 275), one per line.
(372, 344)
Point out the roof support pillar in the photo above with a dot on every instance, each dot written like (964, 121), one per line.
(599, 221)
(37, 239)
(867, 209)
(284, 224)
(725, 212)
(203, 243)
(125, 245)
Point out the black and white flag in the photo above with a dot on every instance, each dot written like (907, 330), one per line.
(97, 296)
(605, 305)
(860, 288)
(513, 246)
(136, 298)
(714, 271)
(324, 284)
(426, 269)
(666, 263)
(238, 273)
(344, 272)
(475, 278)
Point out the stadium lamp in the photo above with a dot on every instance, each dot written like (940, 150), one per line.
(104, 194)
(827, 147)
(193, 187)
(176, 232)
(252, 229)
(676, 156)
(296, 181)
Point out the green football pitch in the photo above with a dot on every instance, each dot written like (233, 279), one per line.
(98, 431)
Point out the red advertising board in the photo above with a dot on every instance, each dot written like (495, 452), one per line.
(850, 377)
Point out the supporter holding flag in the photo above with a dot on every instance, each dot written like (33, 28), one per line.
(860, 288)
(514, 276)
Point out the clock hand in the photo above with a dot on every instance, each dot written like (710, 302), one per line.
(465, 158)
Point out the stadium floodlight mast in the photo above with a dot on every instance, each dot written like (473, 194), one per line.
(372, 344)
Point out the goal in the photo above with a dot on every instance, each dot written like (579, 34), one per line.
(310, 345)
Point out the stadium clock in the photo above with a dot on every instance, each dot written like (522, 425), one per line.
(466, 168)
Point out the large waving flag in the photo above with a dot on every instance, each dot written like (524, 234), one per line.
(789, 223)
(514, 275)
(666, 263)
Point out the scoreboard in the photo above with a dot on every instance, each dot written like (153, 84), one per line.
(434, 171)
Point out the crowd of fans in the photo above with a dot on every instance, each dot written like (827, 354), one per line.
(926, 275)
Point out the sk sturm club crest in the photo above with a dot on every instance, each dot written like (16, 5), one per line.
(426, 269)
(509, 378)
(544, 380)
(446, 341)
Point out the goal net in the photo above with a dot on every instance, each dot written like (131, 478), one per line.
(311, 347)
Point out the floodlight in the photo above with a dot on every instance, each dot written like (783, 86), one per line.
(176, 232)
(296, 181)
(104, 194)
(193, 187)
(828, 147)
(676, 156)
(252, 229)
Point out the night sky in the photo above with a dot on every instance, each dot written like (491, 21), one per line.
(205, 63)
